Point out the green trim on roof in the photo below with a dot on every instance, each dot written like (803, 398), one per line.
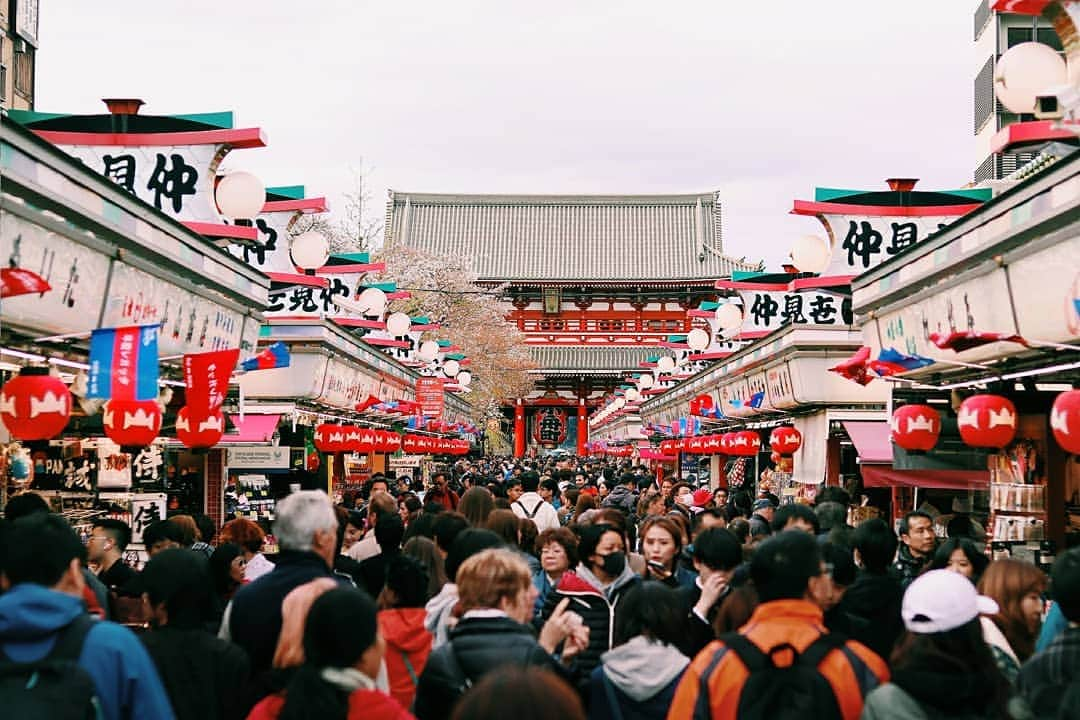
(977, 194)
(829, 194)
(362, 258)
(744, 276)
(709, 305)
(25, 117)
(676, 338)
(293, 192)
(445, 343)
(832, 194)
(652, 359)
(222, 120)
(387, 287)
(455, 356)
(420, 320)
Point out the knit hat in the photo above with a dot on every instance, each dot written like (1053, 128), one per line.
(942, 600)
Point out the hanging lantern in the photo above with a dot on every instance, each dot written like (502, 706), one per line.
(1065, 421)
(393, 442)
(34, 405)
(725, 443)
(199, 431)
(352, 438)
(785, 440)
(746, 443)
(916, 427)
(366, 444)
(701, 403)
(988, 421)
(132, 423)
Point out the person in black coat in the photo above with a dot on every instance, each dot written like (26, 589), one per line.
(716, 554)
(872, 603)
(496, 597)
(389, 531)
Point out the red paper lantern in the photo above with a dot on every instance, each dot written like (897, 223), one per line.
(700, 403)
(132, 423)
(746, 443)
(785, 440)
(1065, 421)
(392, 442)
(34, 405)
(329, 438)
(916, 427)
(199, 431)
(409, 443)
(988, 421)
(366, 443)
(725, 443)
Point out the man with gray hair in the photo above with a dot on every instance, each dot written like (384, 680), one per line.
(306, 531)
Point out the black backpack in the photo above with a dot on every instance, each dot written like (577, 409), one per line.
(795, 692)
(54, 687)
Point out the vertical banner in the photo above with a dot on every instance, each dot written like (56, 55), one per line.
(206, 376)
(124, 363)
(146, 508)
(431, 396)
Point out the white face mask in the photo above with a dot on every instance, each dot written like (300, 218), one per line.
(686, 499)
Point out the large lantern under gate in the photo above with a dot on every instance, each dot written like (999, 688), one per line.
(34, 405)
(987, 421)
(746, 443)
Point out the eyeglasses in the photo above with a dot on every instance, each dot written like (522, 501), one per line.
(827, 569)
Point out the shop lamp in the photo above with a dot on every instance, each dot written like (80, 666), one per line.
(645, 381)
(240, 195)
(729, 317)
(428, 350)
(398, 324)
(464, 377)
(665, 364)
(451, 368)
(632, 395)
(810, 254)
(372, 301)
(697, 339)
(310, 250)
(1025, 72)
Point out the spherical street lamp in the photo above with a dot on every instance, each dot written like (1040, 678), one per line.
(665, 364)
(451, 368)
(729, 316)
(697, 339)
(632, 395)
(810, 254)
(398, 324)
(372, 301)
(240, 195)
(1026, 71)
(310, 250)
(464, 377)
(646, 381)
(428, 350)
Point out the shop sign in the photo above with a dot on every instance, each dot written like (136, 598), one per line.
(781, 391)
(315, 302)
(431, 396)
(114, 467)
(146, 509)
(862, 242)
(405, 461)
(55, 470)
(345, 385)
(1052, 276)
(148, 466)
(768, 310)
(258, 458)
(270, 252)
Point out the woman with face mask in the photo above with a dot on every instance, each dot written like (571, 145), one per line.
(594, 588)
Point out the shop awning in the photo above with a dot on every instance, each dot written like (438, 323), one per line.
(871, 440)
(886, 476)
(252, 429)
(649, 454)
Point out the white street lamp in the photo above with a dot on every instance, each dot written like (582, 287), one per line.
(665, 364)
(1025, 72)
(464, 378)
(810, 254)
(310, 250)
(646, 381)
(632, 395)
(428, 350)
(398, 324)
(697, 339)
(451, 368)
(372, 301)
(240, 195)
(729, 316)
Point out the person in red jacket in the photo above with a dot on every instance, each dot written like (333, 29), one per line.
(401, 623)
(343, 651)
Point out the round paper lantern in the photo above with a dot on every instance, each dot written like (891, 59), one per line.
(132, 423)
(398, 324)
(429, 349)
(725, 443)
(785, 440)
(393, 442)
(810, 254)
(697, 339)
(372, 301)
(240, 195)
(451, 368)
(729, 316)
(310, 250)
(646, 381)
(987, 421)
(199, 431)
(1065, 421)
(34, 405)
(665, 364)
(464, 378)
(633, 395)
(916, 427)
(746, 443)
(1026, 71)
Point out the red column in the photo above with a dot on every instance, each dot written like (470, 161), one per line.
(519, 429)
(582, 428)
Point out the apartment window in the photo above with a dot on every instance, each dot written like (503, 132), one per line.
(1017, 35)
(1048, 36)
(24, 72)
(984, 95)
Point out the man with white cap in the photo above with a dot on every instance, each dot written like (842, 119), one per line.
(943, 668)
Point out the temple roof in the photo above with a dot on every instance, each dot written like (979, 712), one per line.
(592, 358)
(583, 238)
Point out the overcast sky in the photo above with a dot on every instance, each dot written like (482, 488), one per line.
(566, 96)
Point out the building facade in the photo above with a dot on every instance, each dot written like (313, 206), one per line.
(596, 283)
(18, 51)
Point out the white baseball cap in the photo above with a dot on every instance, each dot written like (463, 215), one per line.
(942, 600)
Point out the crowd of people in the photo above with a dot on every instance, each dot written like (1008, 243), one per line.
(532, 589)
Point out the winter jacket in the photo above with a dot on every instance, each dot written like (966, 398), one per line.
(363, 705)
(872, 603)
(408, 644)
(438, 609)
(929, 695)
(543, 588)
(759, 526)
(124, 676)
(681, 578)
(476, 646)
(639, 676)
(203, 675)
(1051, 679)
(533, 507)
(907, 567)
(597, 606)
(699, 631)
(1005, 657)
(622, 498)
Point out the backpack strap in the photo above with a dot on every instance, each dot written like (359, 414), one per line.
(816, 652)
(756, 660)
(409, 668)
(454, 665)
(530, 515)
(750, 654)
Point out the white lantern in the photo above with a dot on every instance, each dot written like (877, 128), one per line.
(618, 403)
(451, 368)
(372, 301)
(697, 339)
(810, 254)
(1026, 71)
(310, 250)
(464, 377)
(632, 395)
(428, 350)
(240, 195)
(645, 381)
(729, 316)
(398, 324)
(665, 364)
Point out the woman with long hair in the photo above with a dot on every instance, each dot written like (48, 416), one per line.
(226, 574)
(661, 544)
(401, 623)
(476, 505)
(1017, 587)
(585, 502)
(961, 556)
(424, 551)
(342, 653)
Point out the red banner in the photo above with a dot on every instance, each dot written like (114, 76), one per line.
(430, 395)
(206, 376)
